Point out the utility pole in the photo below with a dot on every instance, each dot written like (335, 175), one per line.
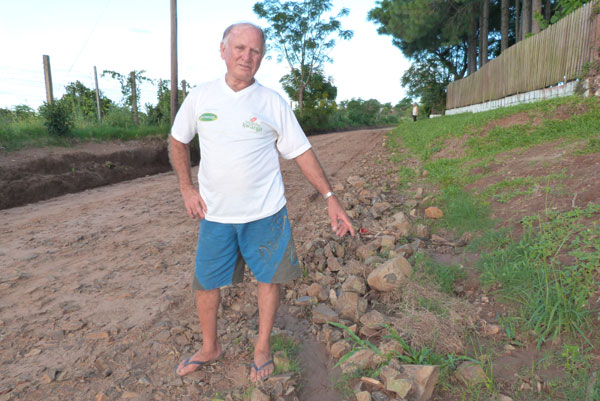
(48, 78)
(174, 81)
(97, 97)
(134, 99)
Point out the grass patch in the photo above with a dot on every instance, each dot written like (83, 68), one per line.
(290, 348)
(506, 190)
(406, 174)
(462, 211)
(553, 294)
(592, 146)
(15, 135)
(445, 276)
(548, 276)
(483, 143)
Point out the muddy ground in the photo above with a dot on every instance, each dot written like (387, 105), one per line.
(96, 285)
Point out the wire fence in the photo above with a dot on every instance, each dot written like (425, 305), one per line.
(556, 54)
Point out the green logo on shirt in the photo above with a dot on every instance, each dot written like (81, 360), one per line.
(252, 124)
(207, 117)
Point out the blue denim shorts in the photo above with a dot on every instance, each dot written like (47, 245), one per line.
(265, 245)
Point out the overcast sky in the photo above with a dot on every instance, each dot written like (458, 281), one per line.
(126, 35)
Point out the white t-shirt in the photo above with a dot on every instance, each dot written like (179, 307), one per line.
(415, 111)
(240, 134)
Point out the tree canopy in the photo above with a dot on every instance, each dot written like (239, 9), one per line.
(81, 101)
(446, 39)
(319, 89)
(301, 35)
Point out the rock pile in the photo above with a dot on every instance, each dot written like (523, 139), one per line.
(347, 282)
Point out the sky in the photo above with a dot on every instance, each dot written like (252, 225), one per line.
(126, 35)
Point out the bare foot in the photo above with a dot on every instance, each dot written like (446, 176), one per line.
(263, 366)
(200, 358)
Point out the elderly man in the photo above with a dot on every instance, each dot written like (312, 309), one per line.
(242, 126)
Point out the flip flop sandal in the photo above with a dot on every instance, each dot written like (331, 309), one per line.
(257, 369)
(199, 364)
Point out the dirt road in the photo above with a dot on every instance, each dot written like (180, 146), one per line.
(96, 289)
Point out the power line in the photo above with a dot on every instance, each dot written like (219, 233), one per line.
(90, 35)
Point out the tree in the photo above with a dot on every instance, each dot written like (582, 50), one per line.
(404, 107)
(536, 9)
(319, 89)
(484, 30)
(161, 113)
(81, 101)
(428, 28)
(472, 42)
(428, 80)
(566, 7)
(518, 27)
(361, 112)
(504, 24)
(440, 36)
(300, 35)
(526, 19)
(126, 85)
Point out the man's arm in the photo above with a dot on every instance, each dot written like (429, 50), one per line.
(314, 173)
(179, 154)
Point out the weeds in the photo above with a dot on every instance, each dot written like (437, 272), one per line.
(505, 190)
(424, 139)
(405, 174)
(553, 294)
(358, 343)
(444, 275)
(32, 132)
(463, 211)
(290, 348)
(592, 146)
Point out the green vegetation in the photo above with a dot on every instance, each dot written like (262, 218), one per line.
(483, 143)
(458, 38)
(408, 355)
(553, 295)
(73, 118)
(289, 347)
(329, 116)
(32, 132)
(546, 273)
(505, 190)
(445, 276)
(300, 34)
(593, 146)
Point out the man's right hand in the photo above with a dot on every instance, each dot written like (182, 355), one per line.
(194, 204)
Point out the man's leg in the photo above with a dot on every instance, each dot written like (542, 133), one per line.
(268, 302)
(207, 305)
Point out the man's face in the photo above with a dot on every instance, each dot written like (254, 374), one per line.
(242, 53)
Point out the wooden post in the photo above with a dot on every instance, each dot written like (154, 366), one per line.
(184, 89)
(174, 80)
(98, 106)
(48, 78)
(134, 99)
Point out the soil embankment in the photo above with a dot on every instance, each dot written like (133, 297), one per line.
(32, 175)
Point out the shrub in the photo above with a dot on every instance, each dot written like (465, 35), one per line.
(57, 118)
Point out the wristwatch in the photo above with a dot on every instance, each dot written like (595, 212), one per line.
(328, 195)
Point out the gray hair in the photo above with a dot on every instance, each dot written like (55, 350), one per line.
(247, 24)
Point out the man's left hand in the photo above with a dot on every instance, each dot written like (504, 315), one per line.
(340, 222)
